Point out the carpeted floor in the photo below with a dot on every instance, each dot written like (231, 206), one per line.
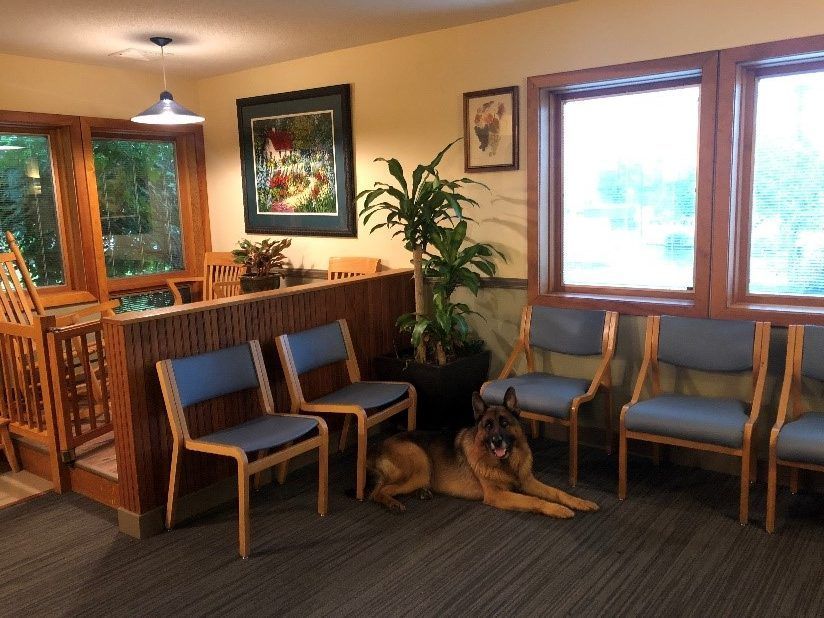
(672, 548)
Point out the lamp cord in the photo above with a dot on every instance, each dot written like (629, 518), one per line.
(163, 64)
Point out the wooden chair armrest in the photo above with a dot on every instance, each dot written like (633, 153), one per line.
(760, 380)
(639, 383)
(598, 378)
(104, 309)
(172, 283)
(520, 347)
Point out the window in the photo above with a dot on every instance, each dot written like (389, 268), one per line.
(690, 185)
(28, 204)
(768, 244)
(139, 206)
(623, 191)
(100, 206)
(786, 254)
(629, 169)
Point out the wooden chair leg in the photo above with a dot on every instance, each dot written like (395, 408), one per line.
(174, 484)
(361, 464)
(283, 468)
(323, 475)
(259, 475)
(347, 424)
(622, 463)
(744, 506)
(573, 451)
(608, 413)
(793, 481)
(8, 447)
(772, 482)
(753, 469)
(656, 453)
(412, 417)
(243, 509)
(536, 429)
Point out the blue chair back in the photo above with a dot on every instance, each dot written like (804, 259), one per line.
(317, 347)
(568, 331)
(214, 374)
(812, 356)
(706, 344)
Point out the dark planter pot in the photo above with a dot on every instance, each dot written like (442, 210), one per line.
(254, 283)
(444, 393)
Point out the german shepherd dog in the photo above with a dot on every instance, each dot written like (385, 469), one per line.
(490, 461)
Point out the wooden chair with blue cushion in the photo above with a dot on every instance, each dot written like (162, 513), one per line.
(194, 379)
(717, 424)
(368, 403)
(550, 398)
(797, 438)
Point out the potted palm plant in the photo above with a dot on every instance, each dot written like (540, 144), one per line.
(449, 362)
(263, 260)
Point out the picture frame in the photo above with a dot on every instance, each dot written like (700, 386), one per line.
(490, 119)
(297, 162)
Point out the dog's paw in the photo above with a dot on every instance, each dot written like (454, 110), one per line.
(425, 494)
(585, 505)
(396, 507)
(561, 512)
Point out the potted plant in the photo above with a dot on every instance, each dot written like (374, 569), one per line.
(261, 259)
(449, 362)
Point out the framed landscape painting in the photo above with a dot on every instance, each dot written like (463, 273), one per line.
(296, 162)
(491, 130)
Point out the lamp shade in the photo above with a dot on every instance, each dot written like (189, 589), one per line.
(167, 111)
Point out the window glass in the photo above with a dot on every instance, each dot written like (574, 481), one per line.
(787, 235)
(28, 207)
(629, 174)
(137, 189)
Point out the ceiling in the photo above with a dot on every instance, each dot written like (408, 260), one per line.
(212, 37)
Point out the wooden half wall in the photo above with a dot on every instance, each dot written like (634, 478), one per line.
(136, 341)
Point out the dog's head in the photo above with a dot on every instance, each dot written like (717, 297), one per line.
(498, 428)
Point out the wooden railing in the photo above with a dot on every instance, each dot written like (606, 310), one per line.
(80, 385)
(136, 341)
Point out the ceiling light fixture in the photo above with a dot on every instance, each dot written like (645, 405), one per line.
(166, 111)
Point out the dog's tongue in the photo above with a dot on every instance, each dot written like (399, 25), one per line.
(500, 452)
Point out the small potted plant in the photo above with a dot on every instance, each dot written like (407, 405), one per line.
(262, 260)
(449, 362)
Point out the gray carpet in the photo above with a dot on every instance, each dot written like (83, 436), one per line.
(673, 548)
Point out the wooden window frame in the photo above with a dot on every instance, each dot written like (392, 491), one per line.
(78, 208)
(193, 203)
(739, 68)
(545, 208)
(74, 222)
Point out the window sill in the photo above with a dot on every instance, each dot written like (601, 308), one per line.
(624, 304)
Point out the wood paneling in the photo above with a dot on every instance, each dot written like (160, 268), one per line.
(136, 341)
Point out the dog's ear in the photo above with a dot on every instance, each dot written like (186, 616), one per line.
(478, 405)
(511, 401)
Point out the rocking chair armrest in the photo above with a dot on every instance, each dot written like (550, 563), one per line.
(173, 282)
(104, 309)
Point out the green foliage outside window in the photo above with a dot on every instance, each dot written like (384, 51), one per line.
(139, 207)
(27, 205)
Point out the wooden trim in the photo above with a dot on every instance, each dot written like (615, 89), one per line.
(546, 94)
(738, 69)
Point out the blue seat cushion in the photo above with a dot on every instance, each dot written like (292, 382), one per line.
(263, 432)
(716, 420)
(803, 440)
(371, 396)
(543, 393)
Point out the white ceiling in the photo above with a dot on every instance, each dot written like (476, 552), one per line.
(212, 37)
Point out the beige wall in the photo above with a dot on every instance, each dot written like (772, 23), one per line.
(407, 96)
(48, 86)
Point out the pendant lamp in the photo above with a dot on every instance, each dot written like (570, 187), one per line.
(166, 110)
